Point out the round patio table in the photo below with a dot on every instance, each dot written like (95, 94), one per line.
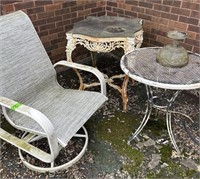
(141, 65)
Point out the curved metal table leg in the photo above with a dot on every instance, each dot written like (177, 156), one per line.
(147, 114)
(168, 121)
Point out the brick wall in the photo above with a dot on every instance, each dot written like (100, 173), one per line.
(161, 16)
(52, 18)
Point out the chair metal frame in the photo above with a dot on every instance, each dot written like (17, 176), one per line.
(24, 143)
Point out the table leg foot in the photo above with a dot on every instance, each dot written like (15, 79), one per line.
(143, 123)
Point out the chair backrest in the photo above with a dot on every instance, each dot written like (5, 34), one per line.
(24, 62)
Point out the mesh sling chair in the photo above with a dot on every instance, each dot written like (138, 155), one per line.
(31, 99)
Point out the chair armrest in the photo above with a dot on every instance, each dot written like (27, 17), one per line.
(36, 115)
(93, 70)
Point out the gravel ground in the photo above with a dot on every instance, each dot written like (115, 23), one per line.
(102, 160)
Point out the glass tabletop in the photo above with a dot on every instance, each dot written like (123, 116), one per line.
(107, 26)
(142, 66)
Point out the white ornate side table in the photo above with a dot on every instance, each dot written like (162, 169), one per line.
(141, 65)
(104, 34)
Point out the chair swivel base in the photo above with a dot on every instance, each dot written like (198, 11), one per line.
(52, 168)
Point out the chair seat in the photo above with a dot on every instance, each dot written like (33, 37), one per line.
(73, 108)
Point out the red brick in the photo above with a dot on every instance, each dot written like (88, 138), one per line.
(46, 44)
(77, 8)
(137, 9)
(165, 28)
(191, 35)
(165, 40)
(155, 1)
(186, 46)
(160, 20)
(70, 15)
(56, 41)
(53, 7)
(69, 4)
(23, 5)
(153, 12)
(43, 33)
(196, 50)
(58, 51)
(145, 4)
(148, 25)
(162, 7)
(4, 2)
(117, 10)
(63, 43)
(131, 13)
(135, 2)
(178, 25)
(103, 13)
(39, 22)
(169, 16)
(192, 42)
(33, 17)
(100, 3)
(193, 28)
(62, 11)
(43, 2)
(8, 8)
(124, 6)
(176, 3)
(61, 23)
(44, 15)
(144, 16)
(54, 19)
(188, 20)
(180, 11)
(56, 30)
(47, 26)
(89, 6)
(35, 10)
(158, 32)
(51, 47)
(112, 4)
(74, 20)
(191, 5)
(84, 12)
(108, 8)
(195, 14)
(49, 38)
(150, 35)
(109, 13)
(98, 9)
(197, 36)
(62, 34)
(67, 22)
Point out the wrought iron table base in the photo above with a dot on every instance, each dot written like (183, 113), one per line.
(167, 108)
(104, 45)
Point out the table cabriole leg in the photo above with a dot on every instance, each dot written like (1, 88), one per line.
(124, 92)
(71, 45)
(147, 114)
(94, 63)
